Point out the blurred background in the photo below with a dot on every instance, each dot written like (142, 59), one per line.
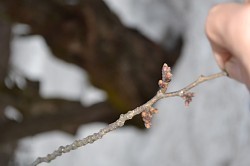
(69, 67)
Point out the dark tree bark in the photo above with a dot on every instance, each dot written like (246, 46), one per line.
(5, 34)
(118, 59)
(6, 150)
(62, 115)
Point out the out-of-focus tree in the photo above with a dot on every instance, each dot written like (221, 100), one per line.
(118, 60)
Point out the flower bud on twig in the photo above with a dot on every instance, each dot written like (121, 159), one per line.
(187, 96)
(146, 111)
(147, 116)
(166, 77)
(166, 73)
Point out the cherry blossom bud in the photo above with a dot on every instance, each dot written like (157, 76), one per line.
(166, 73)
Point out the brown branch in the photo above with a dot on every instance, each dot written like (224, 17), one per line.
(200, 80)
(40, 115)
(147, 107)
(67, 116)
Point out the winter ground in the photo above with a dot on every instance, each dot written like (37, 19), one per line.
(213, 131)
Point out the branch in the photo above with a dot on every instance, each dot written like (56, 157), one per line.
(146, 111)
(50, 114)
(64, 115)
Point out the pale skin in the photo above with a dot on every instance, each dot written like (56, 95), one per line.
(228, 30)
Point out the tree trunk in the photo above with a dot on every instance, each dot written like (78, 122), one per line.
(118, 59)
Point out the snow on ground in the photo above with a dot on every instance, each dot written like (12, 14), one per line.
(214, 130)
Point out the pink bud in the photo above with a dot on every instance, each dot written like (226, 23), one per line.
(161, 84)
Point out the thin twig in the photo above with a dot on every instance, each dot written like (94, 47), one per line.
(200, 80)
(147, 108)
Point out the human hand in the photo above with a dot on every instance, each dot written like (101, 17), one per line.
(228, 30)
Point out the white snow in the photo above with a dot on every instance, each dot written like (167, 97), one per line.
(213, 131)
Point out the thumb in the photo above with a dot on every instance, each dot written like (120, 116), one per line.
(236, 70)
(221, 58)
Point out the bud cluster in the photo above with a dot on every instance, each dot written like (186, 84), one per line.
(187, 97)
(166, 77)
(147, 116)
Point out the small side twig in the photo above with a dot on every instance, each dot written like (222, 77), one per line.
(146, 110)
